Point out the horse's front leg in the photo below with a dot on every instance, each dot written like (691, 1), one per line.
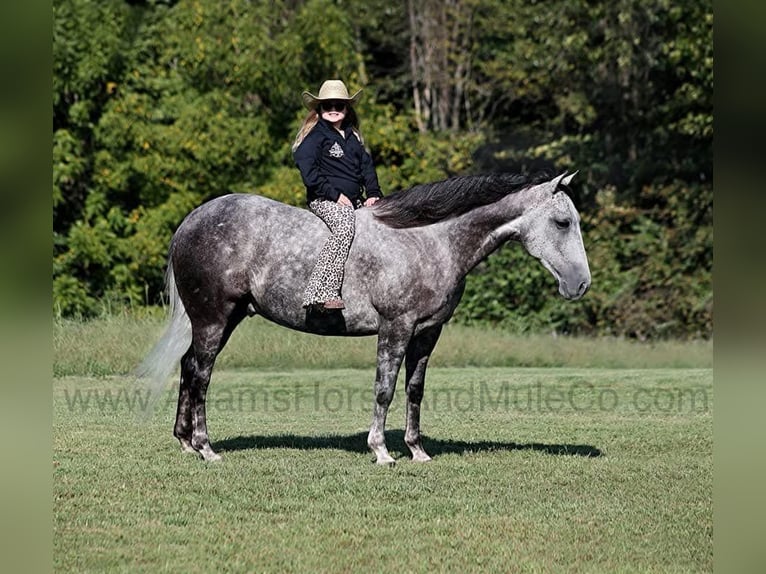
(418, 352)
(392, 344)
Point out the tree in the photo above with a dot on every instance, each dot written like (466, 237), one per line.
(441, 34)
(161, 105)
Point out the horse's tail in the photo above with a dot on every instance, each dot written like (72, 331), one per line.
(161, 361)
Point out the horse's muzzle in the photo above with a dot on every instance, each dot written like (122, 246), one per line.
(571, 293)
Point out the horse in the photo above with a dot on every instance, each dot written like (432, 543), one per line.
(241, 255)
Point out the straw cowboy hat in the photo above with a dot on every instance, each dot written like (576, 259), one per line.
(330, 90)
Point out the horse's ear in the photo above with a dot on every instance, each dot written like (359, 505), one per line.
(558, 180)
(567, 178)
(562, 180)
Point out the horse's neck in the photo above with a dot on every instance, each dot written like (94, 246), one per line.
(481, 231)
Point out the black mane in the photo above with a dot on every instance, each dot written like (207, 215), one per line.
(431, 202)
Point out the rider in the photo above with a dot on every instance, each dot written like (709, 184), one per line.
(336, 169)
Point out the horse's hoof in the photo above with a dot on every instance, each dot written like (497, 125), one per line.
(186, 446)
(208, 455)
(385, 461)
(423, 457)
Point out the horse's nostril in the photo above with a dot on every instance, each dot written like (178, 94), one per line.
(584, 286)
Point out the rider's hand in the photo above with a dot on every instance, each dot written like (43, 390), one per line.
(343, 200)
(370, 201)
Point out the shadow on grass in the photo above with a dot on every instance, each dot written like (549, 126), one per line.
(358, 443)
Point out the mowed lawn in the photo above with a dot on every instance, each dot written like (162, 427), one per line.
(534, 470)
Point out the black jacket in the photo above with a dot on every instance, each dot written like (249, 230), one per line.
(331, 164)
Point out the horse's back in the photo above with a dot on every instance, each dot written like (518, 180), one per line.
(259, 252)
(235, 214)
(241, 221)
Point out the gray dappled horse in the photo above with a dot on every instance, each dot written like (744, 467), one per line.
(241, 255)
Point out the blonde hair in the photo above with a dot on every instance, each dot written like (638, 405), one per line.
(310, 122)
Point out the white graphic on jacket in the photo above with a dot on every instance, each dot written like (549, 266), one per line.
(336, 151)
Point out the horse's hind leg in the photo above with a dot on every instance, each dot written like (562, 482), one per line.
(418, 352)
(183, 427)
(203, 359)
(196, 368)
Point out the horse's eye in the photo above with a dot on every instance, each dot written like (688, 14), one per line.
(562, 223)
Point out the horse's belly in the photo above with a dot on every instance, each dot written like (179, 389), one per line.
(341, 323)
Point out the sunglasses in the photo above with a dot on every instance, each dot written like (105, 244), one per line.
(337, 105)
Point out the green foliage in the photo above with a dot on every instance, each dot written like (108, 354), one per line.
(159, 106)
(406, 157)
(620, 90)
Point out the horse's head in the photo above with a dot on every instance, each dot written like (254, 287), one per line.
(550, 231)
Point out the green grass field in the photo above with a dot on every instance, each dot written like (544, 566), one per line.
(115, 345)
(536, 469)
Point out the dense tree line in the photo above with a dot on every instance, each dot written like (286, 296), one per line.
(161, 105)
